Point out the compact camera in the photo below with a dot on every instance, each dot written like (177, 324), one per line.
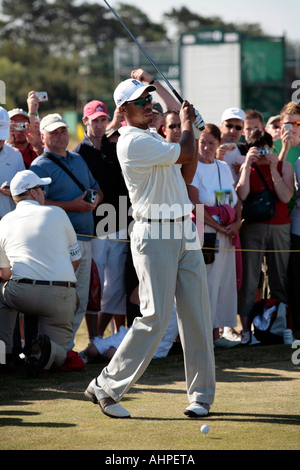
(263, 151)
(288, 127)
(42, 95)
(91, 196)
(19, 126)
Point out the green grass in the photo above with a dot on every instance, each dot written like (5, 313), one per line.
(256, 407)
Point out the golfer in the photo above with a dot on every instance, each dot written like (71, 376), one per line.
(166, 254)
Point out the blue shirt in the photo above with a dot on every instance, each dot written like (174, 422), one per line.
(63, 188)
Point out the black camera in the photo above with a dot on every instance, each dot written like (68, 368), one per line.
(263, 151)
(91, 196)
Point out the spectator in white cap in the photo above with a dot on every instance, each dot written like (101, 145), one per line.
(273, 127)
(11, 162)
(38, 255)
(230, 150)
(75, 190)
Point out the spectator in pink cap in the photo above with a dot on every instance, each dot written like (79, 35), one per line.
(110, 257)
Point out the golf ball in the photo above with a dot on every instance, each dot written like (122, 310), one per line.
(205, 429)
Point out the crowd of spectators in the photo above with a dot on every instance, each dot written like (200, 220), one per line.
(86, 182)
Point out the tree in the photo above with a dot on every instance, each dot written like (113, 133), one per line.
(186, 21)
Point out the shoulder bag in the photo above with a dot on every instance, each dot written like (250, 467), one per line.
(258, 207)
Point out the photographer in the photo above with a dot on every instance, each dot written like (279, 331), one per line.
(266, 234)
(66, 193)
(25, 133)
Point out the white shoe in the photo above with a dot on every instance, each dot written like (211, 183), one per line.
(197, 410)
(231, 334)
(108, 405)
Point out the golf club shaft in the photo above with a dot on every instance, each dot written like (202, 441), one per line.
(146, 54)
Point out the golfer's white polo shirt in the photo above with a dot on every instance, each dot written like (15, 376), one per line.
(155, 184)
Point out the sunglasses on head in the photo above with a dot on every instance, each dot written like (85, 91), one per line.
(141, 101)
(173, 126)
(295, 124)
(236, 126)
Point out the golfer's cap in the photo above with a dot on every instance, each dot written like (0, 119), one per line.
(18, 112)
(4, 124)
(51, 122)
(273, 119)
(233, 113)
(94, 109)
(26, 179)
(130, 90)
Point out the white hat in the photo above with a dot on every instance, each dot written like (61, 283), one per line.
(51, 122)
(233, 113)
(18, 112)
(26, 179)
(129, 90)
(4, 124)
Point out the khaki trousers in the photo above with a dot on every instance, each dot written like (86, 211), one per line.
(168, 270)
(55, 307)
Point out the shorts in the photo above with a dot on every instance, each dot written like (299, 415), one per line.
(110, 257)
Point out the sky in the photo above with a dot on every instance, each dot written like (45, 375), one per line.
(276, 17)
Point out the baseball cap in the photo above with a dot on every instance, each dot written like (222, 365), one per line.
(51, 122)
(94, 109)
(273, 119)
(18, 112)
(26, 179)
(233, 113)
(129, 90)
(4, 124)
(157, 108)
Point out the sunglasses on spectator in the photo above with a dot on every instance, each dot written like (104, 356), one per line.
(237, 126)
(173, 126)
(37, 187)
(141, 102)
(295, 124)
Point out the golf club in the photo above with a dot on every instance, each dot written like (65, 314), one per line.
(147, 55)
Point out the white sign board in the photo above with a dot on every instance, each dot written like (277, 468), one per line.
(211, 78)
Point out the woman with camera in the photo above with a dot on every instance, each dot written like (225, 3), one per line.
(264, 182)
(213, 186)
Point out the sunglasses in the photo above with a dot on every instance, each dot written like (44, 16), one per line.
(237, 126)
(173, 126)
(41, 187)
(295, 124)
(141, 102)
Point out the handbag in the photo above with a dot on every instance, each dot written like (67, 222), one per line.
(259, 207)
(208, 248)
